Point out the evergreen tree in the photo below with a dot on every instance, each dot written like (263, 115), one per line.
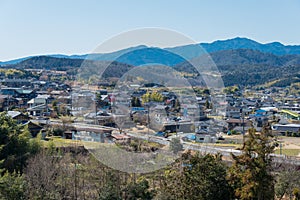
(250, 174)
(195, 176)
(135, 102)
(15, 145)
(139, 190)
(12, 186)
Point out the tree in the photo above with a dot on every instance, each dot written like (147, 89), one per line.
(156, 96)
(207, 104)
(231, 89)
(196, 176)
(139, 190)
(99, 101)
(110, 189)
(250, 174)
(175, 145)
(42, 174)
(12, 186)
(152, 96)
(286, 182)
(296, 193)
(15, 145)
(55, 107)
(135, 102)
(146, 97)
(177, 105)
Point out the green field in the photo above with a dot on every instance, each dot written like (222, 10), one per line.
(288, 152)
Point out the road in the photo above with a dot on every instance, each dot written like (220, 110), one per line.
(203, 148)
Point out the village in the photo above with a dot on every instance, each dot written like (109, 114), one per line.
(48, 105)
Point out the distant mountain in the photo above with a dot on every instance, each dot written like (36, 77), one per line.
(94, 56)
(136, 56)
(47, 62)
(112, 69)
(15, 61)
(186, 51)
(102, 56)
(148, 56)
(247, 67)
(240, 60)
(241, 66)
(194, 50)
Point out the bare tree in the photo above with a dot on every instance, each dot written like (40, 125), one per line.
(49, 176)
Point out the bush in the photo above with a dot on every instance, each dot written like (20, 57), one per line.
(288, 134)
(57, 132)
(294, 134)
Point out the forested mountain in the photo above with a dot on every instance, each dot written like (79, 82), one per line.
(248, 67)
(47, 62)
(236, 59)
(188, 51)
(191, 51)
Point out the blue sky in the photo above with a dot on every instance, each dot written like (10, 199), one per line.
(35, 27)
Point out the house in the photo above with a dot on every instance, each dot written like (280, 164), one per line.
(282, 128)
(39, 106)
(64, 100)
(232, 123)
(18, 116)
(7, 102)
(18, 92)
(33, 128)
(261, 117)
(40, 100)
(25, 94)
(233, 112)
(291, 115)
(120, 138)
(39, 110)
(16, 82)
(192, 111)
(39, 84)
(204, 138)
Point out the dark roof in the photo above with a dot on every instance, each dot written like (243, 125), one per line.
(237, 120)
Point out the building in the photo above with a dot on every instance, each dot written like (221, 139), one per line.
(282, 128)
(18, 116)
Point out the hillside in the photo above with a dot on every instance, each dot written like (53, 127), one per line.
(113, 69)
(248, 67)
(251, 63)
(47, 62)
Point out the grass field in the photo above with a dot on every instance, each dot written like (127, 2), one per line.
(61, 142)
(288, 152)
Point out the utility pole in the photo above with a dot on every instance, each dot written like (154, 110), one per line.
(243, 117)
(148, 120)
(96, 102)
(243, 123)
(176, 124)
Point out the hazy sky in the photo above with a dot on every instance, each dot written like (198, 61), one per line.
(31, 27)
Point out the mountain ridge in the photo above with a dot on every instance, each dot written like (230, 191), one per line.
(188, 51)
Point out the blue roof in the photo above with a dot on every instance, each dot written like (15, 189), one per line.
(259, 115)
(160, 133)
(137, 108)
(260, 111)
(191, 137)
